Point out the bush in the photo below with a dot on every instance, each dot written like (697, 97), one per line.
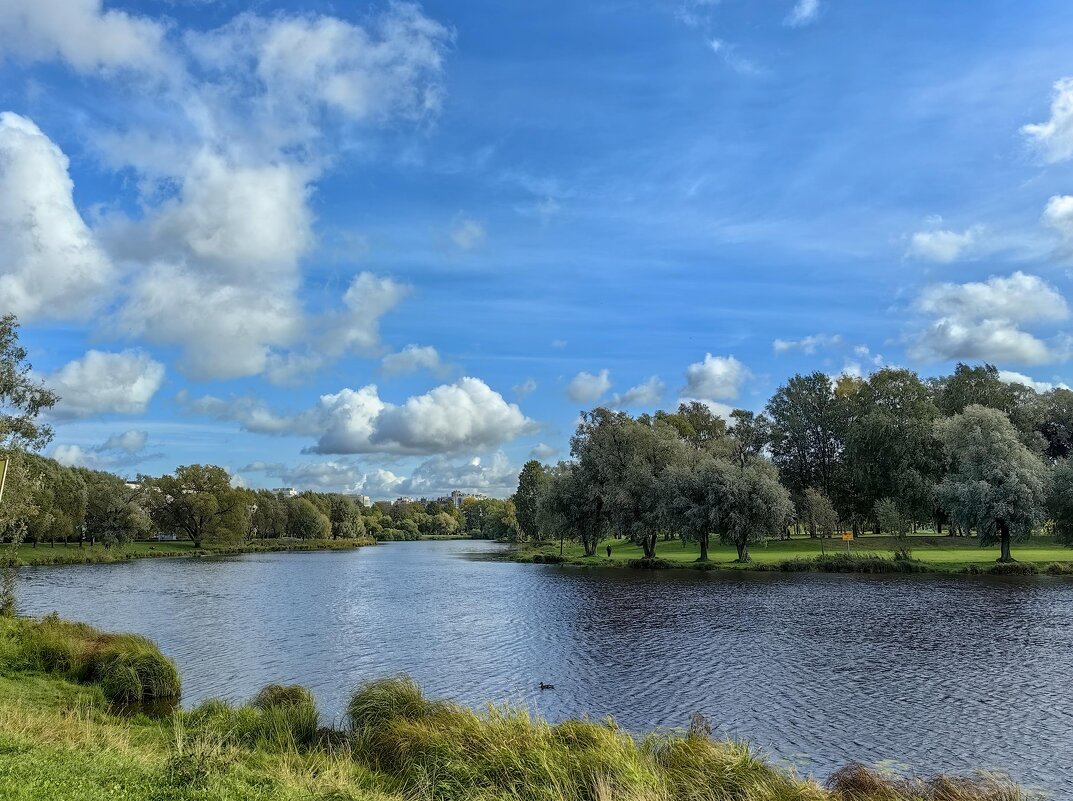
(128, 668)
(278, 721)
(378, 702)
(1013, 569)
(853, 563)
(283, 695)
(650, 564)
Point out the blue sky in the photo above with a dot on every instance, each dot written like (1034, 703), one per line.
(224, 224)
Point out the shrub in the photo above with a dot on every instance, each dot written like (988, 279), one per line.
(1013, 569)
(650, 564)
(283, 695)
(131, 668)
(853, 563)
(378, 702)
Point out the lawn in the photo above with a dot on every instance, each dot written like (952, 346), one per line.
(941, 552)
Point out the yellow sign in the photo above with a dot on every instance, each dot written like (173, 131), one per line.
(848, 536)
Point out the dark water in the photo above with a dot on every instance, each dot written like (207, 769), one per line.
(938, 673)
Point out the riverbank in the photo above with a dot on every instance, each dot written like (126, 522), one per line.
(59, 554)
(62, 738)
(929, 553)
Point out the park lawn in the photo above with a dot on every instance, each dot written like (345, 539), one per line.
(943, 553)
(60, 554)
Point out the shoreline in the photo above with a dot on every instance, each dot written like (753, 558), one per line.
(863, 562)
(62, 555)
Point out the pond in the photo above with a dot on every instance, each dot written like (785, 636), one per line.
(938, 673)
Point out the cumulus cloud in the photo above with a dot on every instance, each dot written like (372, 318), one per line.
(225, 140)
(51, 265)
(128, 441)
(1054, 138)
(81, 33)
(106, 383)
(803, 12)
(1013, 377)
(807, 344)
(411, 359)
(942, 245)
(467, 415)
(586, 387)
(645, 394)
(1058, 214)
(439, 476)
(717, 378)
(982, 319)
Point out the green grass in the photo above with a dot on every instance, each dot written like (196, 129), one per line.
(61, 740)
(60, 554)
(929, 553)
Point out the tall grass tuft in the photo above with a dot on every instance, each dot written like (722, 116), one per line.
(128, 668)
(859, 783)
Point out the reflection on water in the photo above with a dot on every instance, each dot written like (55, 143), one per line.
(940, 673)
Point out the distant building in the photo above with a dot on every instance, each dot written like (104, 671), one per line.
(457, 497)
(286, 492)
(364, 500)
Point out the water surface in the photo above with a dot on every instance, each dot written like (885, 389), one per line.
(940, 673)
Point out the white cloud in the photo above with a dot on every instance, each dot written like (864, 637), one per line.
(1012, 377)
(464, 416)
(1058, 214)
(119, 450)
(1019, 298)
(717, 378)
(51, 265)
(646, 394)
(981, 320)
(586, 387)
(1054, 138)
(411, 359)
(943, 246)
(81, 33)
(106, 383)
(439, 476)
(128, 441)
(525, 389)
(543, 451)
(807, 344)
(225, 144)
(468, 234)
(803, 12)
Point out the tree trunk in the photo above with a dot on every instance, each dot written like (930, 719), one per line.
(743, 551)
(648, 546)
(704, 548)
(1004, 541)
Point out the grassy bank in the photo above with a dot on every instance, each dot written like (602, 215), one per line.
(59, 554)
(61, 738)
(867, 554)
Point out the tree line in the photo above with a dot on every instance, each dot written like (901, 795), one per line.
(890, 453)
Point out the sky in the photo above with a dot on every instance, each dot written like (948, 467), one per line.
(395, 249)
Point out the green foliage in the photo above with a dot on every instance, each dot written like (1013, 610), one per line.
(532, 483)
(197, 502)
(819, 514)
(22, 398)
(1060, 502)
(113, 512)
(995, 484)
(305, 521)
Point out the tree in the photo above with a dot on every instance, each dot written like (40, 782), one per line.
(1060, 502)
(982, 386)
(531, 484)
(198, 502)
(995, 484)
(754, 505)
(113, 514)
(892, 521)
(751, 434)
(305, 521)
(695, 500)
(695, 423)
(345, 517)
(807, 422)
(1055, 423)
(819, 513)
(890, 446)
(269, 516)
(568, 509)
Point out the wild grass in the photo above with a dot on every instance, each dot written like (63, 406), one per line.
(126, 667)
(860, 783)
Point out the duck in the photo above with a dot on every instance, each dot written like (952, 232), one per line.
(545, 686)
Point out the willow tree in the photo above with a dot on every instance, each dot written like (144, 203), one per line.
(995, 484)
(754, 504)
